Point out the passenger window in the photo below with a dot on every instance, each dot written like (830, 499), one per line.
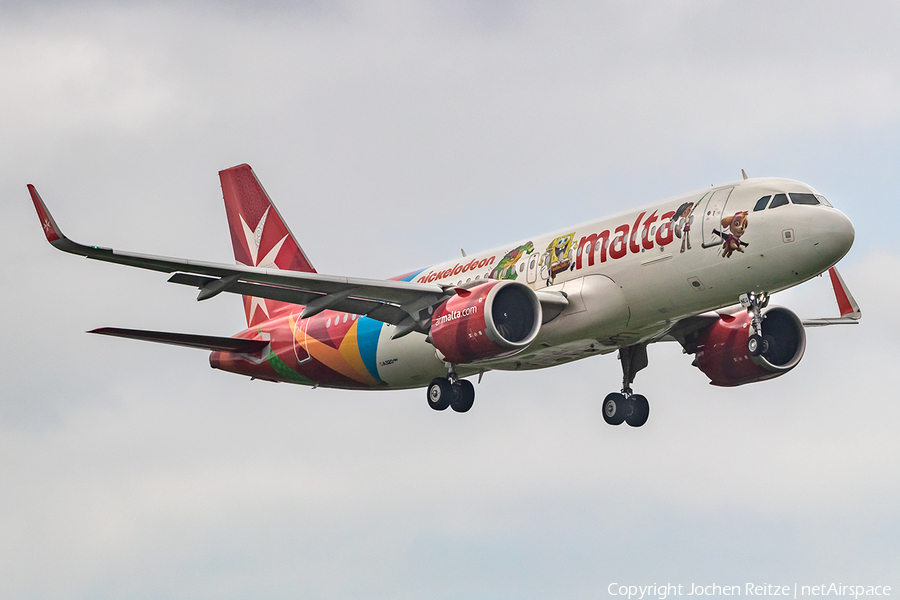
(761, 203)
(804, 198)
(779, 200)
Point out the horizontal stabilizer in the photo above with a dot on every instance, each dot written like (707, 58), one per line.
(203, 342)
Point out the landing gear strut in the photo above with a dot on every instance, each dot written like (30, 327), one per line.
(458, 394)
(625, 405)
(757, 343)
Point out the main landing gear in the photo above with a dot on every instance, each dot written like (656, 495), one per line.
(625, 405)
(757, 343)
(458, 394)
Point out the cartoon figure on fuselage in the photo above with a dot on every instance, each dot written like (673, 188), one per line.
(685, 216)
(506, 266)
(559, 256)
(735, 227)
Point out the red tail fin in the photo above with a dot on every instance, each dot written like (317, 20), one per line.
(259, 235)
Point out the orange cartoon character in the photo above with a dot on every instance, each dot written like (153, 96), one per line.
(734, 228)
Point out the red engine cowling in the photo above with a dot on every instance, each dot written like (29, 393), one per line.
(722, 348)
(486, 321)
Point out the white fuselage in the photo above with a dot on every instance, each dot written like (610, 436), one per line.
(628, 278)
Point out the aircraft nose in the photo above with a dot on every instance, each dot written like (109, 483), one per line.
(833, 234)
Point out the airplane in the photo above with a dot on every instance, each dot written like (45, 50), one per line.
(698, 269)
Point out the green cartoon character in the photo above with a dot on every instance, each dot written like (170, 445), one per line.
(506, 266)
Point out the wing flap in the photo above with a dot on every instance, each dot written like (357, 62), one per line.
(187, 340)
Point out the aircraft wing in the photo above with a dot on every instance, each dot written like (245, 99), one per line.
(394, 302)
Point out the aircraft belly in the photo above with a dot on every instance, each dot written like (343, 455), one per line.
(550, 356)
(408, 361)
(597, 310)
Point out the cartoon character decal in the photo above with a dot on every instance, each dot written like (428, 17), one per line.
(506, 266)
(559, 256)
(684, 217)
(734, 227)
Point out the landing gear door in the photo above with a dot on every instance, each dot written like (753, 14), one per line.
(713, 212)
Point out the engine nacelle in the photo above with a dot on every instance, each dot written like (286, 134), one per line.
(722, 352)
(490, 320)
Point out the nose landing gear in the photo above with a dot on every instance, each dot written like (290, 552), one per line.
(458, 394)
(757, 343)
(626, 406)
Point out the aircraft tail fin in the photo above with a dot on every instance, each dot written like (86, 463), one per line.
(259, 235)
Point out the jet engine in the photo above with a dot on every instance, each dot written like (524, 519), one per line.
(486, 321)
(723, 356)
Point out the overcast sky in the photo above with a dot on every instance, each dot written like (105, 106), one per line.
(391, 135)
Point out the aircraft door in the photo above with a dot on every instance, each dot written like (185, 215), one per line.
(533, 259)
(712, 217)
(299, 334)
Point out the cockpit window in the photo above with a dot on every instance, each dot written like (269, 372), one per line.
(804, 198)
(761, 203)
(779, 200)
(823, 200)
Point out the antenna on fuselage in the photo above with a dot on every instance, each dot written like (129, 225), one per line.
(744, 173)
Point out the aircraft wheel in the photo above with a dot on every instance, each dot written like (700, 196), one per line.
(464, 396)
(640, 410)
(440, 393)
(614, 408)
(754, 345)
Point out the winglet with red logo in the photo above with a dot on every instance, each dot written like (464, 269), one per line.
(847, 305)
(850, 312)
(51, 229)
